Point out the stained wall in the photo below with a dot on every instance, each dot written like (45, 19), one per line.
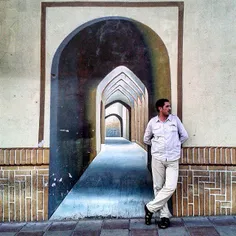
(208, 111)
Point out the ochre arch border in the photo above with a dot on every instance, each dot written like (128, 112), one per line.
(45, 5)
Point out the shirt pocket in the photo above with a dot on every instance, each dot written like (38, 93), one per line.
(173, 128)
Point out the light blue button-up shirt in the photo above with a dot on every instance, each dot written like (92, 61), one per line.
(165, 137)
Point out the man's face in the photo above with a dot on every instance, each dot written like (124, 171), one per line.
(166, 109)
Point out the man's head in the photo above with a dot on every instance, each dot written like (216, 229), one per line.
(163, 107)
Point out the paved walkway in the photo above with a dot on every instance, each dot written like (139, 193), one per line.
(194, 226)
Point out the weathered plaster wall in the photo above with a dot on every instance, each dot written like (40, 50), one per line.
(57, 30)
(208, 70)
(209, 85)
(60, 22)
(19, 73)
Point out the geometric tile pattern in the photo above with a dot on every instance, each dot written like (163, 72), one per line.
(23, 193)
(24, 184)
(206, 184)
(205, 191)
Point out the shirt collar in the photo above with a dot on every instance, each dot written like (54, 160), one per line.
(168, 118)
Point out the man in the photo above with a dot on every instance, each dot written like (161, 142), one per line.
(164, 133)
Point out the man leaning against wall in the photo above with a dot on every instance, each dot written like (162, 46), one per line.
(164, 133)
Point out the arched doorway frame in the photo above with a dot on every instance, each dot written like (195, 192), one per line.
(129, 112)
(43, 27)
(55, 67)
(120, 119)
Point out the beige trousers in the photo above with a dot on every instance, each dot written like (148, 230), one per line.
(165, 176)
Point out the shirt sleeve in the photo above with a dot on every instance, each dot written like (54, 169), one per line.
(183, 135)
(148, 134)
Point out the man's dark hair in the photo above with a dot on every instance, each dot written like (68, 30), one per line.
(161, 103)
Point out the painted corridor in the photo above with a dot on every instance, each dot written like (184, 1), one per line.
(116, 184)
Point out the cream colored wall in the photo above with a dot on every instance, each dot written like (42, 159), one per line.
(209, 75)
(19, 73)
(208, 65)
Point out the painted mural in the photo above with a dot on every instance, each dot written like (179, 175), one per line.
(98, 87)
(110, 58)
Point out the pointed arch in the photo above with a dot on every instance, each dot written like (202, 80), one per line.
(119, 81)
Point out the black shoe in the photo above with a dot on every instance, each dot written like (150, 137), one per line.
(165, 223)
(148, 216)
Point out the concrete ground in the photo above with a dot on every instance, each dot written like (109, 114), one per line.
(194, 226)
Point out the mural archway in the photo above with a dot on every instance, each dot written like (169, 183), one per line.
(80, 63)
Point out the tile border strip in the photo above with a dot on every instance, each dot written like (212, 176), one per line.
(195, 156)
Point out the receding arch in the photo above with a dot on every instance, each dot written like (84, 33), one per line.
(120, 119)
(122, 91)
(129, 114)
(125, 85)
(110, 86)
(137, 86)
(118, 101)
(117, 96)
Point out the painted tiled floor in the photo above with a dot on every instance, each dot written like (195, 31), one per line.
(185, 226)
